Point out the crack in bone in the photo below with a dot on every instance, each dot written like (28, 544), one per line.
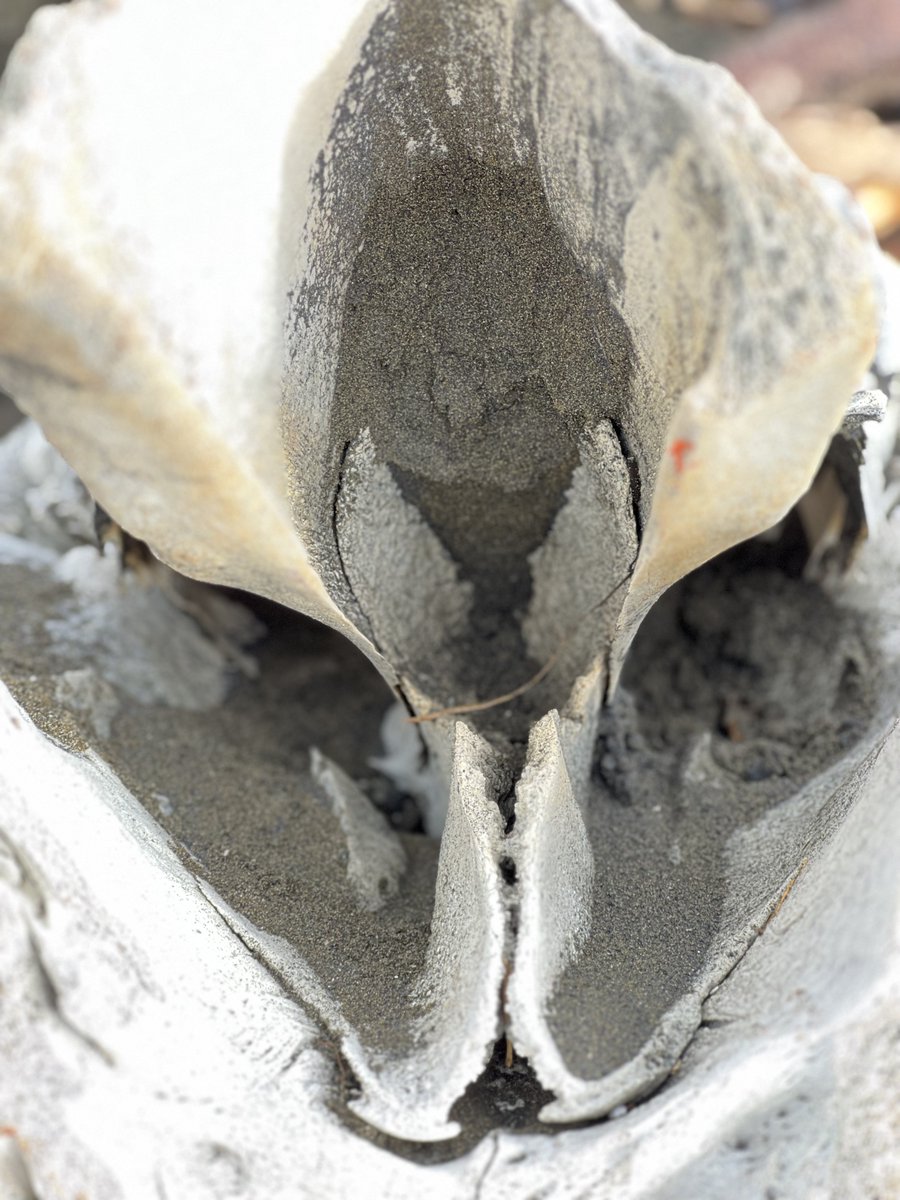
(23, 875)
(52, 998)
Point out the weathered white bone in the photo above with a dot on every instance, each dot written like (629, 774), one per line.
(375, 856)
(432, 324)
(555, 869)
(108, 239)
(455, 999)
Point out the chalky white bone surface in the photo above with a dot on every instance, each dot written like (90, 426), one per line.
(145, 266)
(186, 317)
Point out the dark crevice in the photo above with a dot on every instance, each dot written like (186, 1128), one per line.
(634, 476)
(404, 700)
(507, 805)
(335, 501)
(507, 870)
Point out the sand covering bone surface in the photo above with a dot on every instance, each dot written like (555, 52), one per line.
(442, 333)
(693, 878)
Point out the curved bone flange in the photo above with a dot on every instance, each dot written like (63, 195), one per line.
(453, 1012)
(555, 870)
(457, 995)
(555, 874)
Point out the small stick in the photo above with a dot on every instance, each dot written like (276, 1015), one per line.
(482, 705)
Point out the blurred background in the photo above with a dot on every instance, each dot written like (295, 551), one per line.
(825, 72)
(14, 16)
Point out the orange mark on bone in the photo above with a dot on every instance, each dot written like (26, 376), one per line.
(679, 449)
